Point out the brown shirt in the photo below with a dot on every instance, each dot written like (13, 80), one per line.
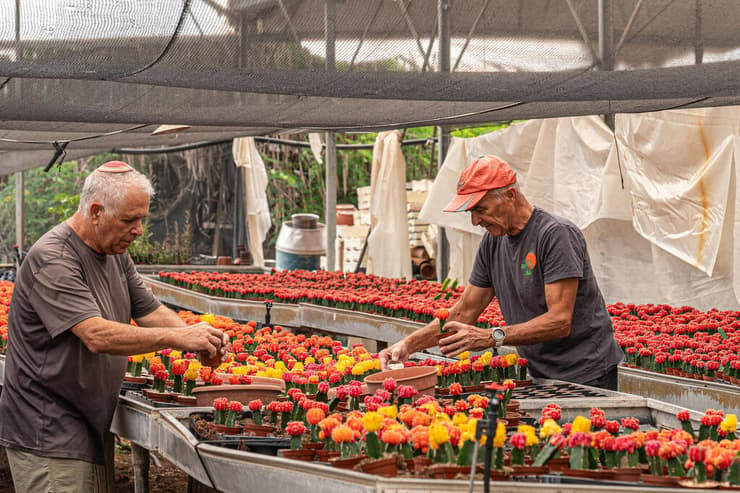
(58, 397)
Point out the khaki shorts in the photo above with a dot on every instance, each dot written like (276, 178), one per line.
(33, 473)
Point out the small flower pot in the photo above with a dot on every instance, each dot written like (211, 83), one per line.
(706, 485)
(227, 430)
(348, 463)
(523, 383)
(312, 445)
(257, 430)
(324, 455)
(529, 470)
(187, 400)
(300, 454)
(474, 388)
(422, 378)
(598, 474)
(448, 471)
(631, 474)
(512, 407)
(385, 466)
(558, 464)
(663, 480)
(421, 462)
(512, 419)
(133, 379)
(157, 396)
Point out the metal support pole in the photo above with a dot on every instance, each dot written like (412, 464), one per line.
(606, 45)
(330, 208)
(20, 223)
(698, 34)
(444, 9)
(331, 200)
(19, 181)
(140, 459)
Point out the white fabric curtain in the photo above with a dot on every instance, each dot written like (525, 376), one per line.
(655, 199)
(388, 251)
(254, 180)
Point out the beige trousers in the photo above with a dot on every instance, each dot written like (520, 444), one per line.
(35, 474)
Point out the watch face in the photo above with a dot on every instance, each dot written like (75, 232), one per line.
(499, 334)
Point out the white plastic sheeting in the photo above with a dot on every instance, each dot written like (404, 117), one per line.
(388, 249)
(254, 180)
(658, 210)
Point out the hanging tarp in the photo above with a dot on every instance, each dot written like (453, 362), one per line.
(652, 198)
(254, 180)
(388, 249)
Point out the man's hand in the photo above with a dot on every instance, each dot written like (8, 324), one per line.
(203, 337)
(464, 337)
(397, 353)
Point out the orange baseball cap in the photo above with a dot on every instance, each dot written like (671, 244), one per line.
(484, 174)
(114, 167)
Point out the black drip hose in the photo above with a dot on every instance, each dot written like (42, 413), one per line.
(491, 425)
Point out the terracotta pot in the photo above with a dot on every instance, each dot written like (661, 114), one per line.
(227, 430)
(498, 474)
(157, 396)
(599, 474)
(133, 379)
(529, 470)
(348, 463)
(422, 378)
(706, 485)
(631, 474)
(243, 393)
(512, 407)
(512, 419)
(312, 445)
(559, 463)
(448, 471)
(441, 391)
(187, 400)
(300, 454)
(257, 430)
(660, 480)
(324, 455)
(523, 383)
(385, 466)
(474, 388)
(421, 462)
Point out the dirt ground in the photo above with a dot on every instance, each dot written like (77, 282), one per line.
(163, 476)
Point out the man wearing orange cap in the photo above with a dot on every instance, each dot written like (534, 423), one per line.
(70, 333)
(538, 266)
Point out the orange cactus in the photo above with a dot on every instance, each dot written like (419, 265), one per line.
(315, 415)
(343, 434)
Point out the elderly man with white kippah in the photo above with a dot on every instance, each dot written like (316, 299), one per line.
(70, 332)
(538, 266)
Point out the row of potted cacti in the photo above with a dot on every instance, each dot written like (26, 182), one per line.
(441, 432)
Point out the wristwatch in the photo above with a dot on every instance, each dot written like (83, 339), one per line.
(498, 336)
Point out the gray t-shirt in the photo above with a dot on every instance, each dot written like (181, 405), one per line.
(549, 249)
(58, 397)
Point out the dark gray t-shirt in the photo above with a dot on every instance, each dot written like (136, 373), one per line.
(58, 397)
(549, 249)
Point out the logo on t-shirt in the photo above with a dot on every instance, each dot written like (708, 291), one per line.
(529, 262)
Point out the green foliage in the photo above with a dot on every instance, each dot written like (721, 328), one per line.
(296, 185)
(49, 198)
(175, 249)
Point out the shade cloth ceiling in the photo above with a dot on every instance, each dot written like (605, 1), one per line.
(79, 69)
